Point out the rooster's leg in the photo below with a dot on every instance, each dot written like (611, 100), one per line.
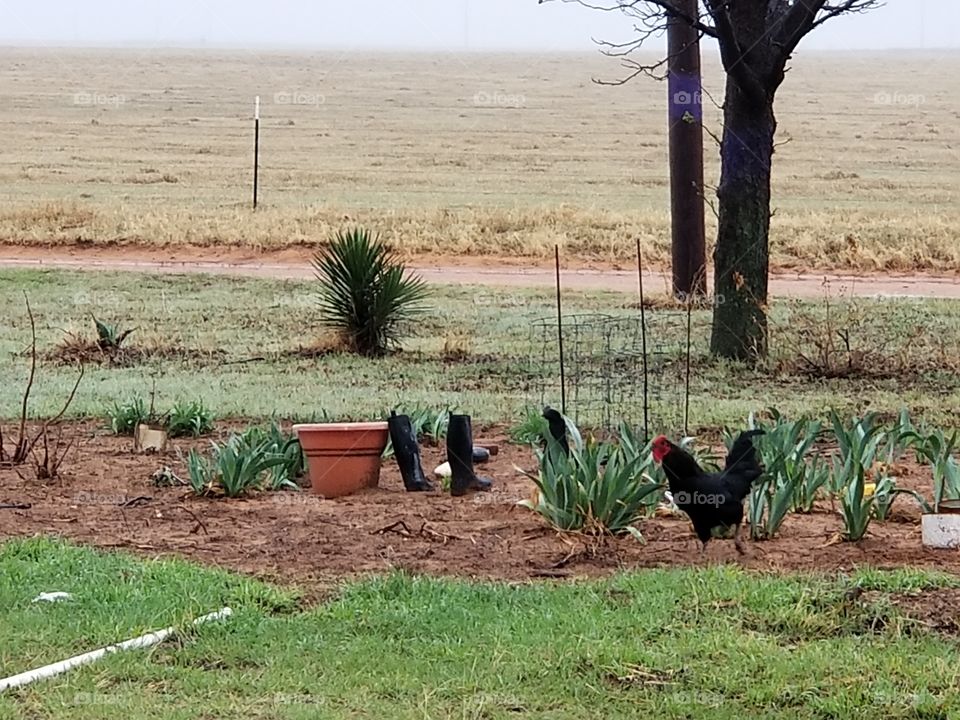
(736, 541)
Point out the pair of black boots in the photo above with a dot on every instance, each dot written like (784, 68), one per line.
(459, 455)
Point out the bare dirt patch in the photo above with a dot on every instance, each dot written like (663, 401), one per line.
(937, 608)
(106, 499)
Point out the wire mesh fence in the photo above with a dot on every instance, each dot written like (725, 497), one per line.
(611, 373)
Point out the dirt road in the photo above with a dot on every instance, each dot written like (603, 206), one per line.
(457, 271)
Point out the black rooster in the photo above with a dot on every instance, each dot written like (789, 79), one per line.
(558, 428)
(713, 501)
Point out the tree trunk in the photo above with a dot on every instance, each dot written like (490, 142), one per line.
(741, 256)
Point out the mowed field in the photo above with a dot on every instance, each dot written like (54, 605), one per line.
(449, 155)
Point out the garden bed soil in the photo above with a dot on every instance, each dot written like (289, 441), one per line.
(106, 499)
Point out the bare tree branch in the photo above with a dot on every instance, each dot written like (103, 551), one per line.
(732, 53)
(639, 8)
(799, 19)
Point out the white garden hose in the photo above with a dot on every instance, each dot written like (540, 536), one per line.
(143, 641)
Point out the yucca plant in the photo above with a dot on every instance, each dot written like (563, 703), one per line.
(189, 419)
(860, 441)
(109, 337)
(595, 489)
(885, 491)
(856, 506)
(364, 291)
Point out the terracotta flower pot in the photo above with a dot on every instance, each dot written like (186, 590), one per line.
(343, 458)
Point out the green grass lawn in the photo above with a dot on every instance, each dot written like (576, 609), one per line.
(912, 345)
(692, 643)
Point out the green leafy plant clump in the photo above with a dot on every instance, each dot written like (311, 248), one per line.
(125, 417)
(110, 337)
(531, 430)
(864, 445)
(273, 440)
(365, 292)
(189, 419)
(793, 480)
(597, 489)
(185, 419)
(249, 461)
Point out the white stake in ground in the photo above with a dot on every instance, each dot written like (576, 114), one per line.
(135, 643)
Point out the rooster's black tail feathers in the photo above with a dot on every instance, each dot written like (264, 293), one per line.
(742, 458)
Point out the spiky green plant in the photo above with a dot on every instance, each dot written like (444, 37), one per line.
(200, 473)
(272, 440)
(595, 489)
(235, 467)
(785, 450)
(902, 435)
(633, 447)
(365, 292)
(861, 442)
(191, 419)
(938, 450)
(531, 430)
(109, 337)
(124, 417)
(885, 492)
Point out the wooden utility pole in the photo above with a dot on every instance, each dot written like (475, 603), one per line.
(686, 154)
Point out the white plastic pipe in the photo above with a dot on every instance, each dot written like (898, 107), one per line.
(143, 641)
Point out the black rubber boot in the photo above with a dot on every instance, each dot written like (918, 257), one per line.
(407, 452)
(460, 457)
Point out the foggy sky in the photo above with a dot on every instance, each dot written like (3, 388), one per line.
(410, 24)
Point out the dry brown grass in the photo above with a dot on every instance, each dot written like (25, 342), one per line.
(487, 155)
(840, 338)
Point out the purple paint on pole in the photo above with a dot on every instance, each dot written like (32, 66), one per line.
(686, 96)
